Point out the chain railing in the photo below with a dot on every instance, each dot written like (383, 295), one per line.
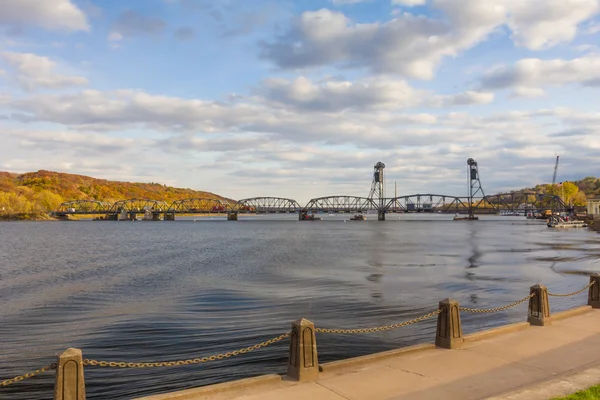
(379, 328)
(496, 309)
(572, 293)
(540, 290)
(122, 364)
(27, 375)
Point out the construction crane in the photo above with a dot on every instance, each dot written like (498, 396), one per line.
(550, 213)
(555, 170)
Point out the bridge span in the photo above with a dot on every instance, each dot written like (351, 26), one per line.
(476, 202)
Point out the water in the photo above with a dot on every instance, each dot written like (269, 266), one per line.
(159, 291)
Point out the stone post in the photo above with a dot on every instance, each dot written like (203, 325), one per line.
(69, 376)
(449, 329)
(539, 307)
(380, 216)
(303, 364)
(594, 291)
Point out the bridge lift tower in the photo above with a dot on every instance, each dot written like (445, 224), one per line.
(377, 190)
(474, 185)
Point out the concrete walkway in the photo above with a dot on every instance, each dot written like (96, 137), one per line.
(501, 366)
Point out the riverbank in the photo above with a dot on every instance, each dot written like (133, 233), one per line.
(513, 362)
(27, 217)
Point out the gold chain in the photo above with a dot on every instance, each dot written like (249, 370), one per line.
(380, 328)
(122, 364)
(27, 375)
(491, 310)
(573, 293)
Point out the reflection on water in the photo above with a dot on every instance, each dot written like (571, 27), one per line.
(175, 290)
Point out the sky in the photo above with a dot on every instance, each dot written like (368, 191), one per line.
(300, 99)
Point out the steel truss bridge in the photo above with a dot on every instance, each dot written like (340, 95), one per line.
(521, 202)
(475, 203)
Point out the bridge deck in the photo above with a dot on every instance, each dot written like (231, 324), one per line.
(482, 369)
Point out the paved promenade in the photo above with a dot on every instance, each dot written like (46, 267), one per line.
(522, 364)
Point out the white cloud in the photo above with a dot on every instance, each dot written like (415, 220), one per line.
(540, 24)
(529, 92)
(528, 76)
(33, 71)
(412, 45)
(335, 95)
(52, 15)
(469, 97)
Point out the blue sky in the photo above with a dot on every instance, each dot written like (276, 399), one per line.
(301, 98)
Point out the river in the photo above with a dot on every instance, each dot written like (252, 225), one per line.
(156, 291)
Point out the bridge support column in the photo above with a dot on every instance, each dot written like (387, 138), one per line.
(112, 217)
(155, 216)
(232, 216)
(449, 329)
(303, 363)
(302, 216)
(539, 306)
(169, 217)
(381, 216)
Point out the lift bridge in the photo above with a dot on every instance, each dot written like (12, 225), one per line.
(475, 202)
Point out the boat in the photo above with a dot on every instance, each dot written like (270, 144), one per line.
(558, 222)
(358, 217)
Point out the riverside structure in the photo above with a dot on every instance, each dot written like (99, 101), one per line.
(303, 364)
(476, 202)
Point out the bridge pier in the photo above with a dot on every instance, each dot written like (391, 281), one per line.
(155, 216)
(169, 217)
(380, 216)
(112, 217)
(232, 216)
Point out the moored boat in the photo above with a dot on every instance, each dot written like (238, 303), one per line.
(358, 217)
(559, 222)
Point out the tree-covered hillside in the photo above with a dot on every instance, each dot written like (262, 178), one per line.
(574, 192)
(43, 191)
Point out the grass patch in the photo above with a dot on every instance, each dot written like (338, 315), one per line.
(592, 393)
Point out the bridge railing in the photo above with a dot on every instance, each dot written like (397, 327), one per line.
(303, 362)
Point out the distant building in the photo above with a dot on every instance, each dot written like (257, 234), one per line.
(593, 206)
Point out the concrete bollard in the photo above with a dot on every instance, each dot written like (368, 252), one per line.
(539, 306)
(594, 291)
(449, 329)
(303, 364)
(69, 376)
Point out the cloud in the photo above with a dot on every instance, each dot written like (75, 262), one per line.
(467, 98)
(335, 96)
(541, 24)
(414, 45)
(129, 23)
(56, 15)
(251, 137)
(33, 71)
(185, 33)
(528, 76)
(73, 141)
(367, 94)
